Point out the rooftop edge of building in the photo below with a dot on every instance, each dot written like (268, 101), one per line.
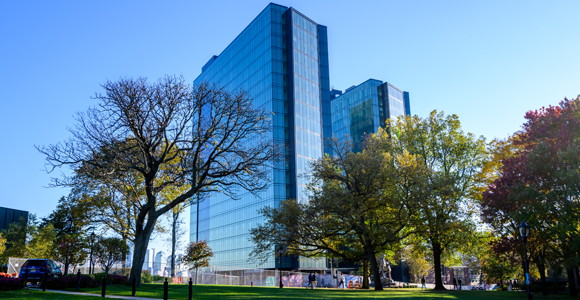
(348, 90)
(216, 57)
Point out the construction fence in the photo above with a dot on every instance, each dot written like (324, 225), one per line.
(260, 277)
(249, 277)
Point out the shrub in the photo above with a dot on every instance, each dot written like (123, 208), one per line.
(98, 277)
(114, 279)
(146, 277)
(9, 283)
(118, 279)
(65, 282)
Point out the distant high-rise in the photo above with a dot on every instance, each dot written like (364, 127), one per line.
(281, 60)
(159, 264)
(365, 107)
(149, 259)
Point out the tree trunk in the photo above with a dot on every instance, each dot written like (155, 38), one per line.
(66, 265)
(375, 270)
(141, 243)
(437, 265)
(501, 278)
(542, 270)
(576, 275)
(365, 284)
(572, 282)
(173, 241)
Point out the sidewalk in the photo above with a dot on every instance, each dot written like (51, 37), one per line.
(96, 295)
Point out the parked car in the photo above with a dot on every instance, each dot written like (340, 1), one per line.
(37, 268)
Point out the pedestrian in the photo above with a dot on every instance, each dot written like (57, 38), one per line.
(341, 278)
(314, 280)
(309, 280)
(423, 286)
(454, 283)
(459, 284)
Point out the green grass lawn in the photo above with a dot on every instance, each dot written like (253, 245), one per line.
(217, 292)
(34, 295)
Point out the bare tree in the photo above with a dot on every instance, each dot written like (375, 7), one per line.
(170, 134)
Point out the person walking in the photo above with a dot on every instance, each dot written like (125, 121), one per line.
(314, 280)
(341, 279)
(309, 280)
(459, 281)
(423, 286)
(454, 283)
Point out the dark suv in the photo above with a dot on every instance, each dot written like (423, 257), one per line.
(37, 268)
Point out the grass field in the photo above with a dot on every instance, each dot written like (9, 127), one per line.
(36, 295)
(216, 292)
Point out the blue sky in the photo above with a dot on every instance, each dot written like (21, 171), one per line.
(486, 61)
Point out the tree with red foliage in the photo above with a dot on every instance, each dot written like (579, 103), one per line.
(541, 184)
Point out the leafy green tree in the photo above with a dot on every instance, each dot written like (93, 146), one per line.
(72, 250)
(15, 239)
(2, 244)
(28, 240)
(197, 255)
(69, 207)
(501, 261)
(359, 205)
(109, 251)
(70, 241)
(416, 261)
(42, 242)
(454, 162)
(166, 132)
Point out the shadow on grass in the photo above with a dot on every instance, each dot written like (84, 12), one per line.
(214, 292)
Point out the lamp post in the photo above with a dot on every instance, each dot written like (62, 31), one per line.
(525, 232)
(68, 227)
(91, 259)
(281, 250)
(69, 224)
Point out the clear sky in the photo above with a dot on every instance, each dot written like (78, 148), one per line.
(486, 61)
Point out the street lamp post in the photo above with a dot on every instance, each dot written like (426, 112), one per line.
(91, 259)
(281, 250)
(525, 232)
(68, 228)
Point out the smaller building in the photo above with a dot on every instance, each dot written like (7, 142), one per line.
(363, 108)
(9, 216)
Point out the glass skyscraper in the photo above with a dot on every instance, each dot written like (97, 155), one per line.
(281, 60)
(365, 107)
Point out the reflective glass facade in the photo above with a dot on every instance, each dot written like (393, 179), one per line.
(281, 60)
(363, 108)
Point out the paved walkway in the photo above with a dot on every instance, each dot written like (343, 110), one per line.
(97, 295)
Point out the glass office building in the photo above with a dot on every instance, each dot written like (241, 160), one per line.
(281, 60)
(365, 107)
